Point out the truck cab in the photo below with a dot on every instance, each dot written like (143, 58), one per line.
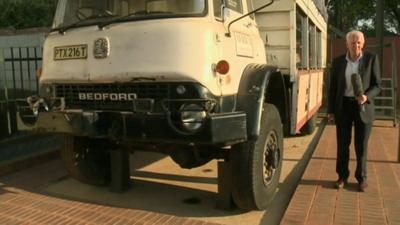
(165, 40)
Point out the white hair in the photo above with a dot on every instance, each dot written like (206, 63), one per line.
(354, 33)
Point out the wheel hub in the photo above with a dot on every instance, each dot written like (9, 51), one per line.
(270, 157)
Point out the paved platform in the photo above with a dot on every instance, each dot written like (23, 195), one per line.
(161, 193)
(22, 202)
(315, 201)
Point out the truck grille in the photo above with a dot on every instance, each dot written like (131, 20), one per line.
(71, 92)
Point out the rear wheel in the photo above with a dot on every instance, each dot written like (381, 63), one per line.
(256, 165)
(87, 160)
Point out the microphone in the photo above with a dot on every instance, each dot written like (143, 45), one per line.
(357, 87)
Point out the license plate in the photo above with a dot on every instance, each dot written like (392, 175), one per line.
(70, 52)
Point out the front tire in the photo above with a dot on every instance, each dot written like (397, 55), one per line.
(87, 160)
(256, 164)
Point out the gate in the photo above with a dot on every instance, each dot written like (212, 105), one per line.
(18, 66)
(386, 101)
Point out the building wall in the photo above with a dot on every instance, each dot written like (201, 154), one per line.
(22, 38)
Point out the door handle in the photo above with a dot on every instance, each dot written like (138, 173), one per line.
(248, 25)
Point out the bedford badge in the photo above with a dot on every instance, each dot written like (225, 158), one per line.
(101, 48)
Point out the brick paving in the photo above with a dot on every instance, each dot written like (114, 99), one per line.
(23, 202)
(315, 201)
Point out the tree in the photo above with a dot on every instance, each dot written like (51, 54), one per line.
(392, 12)
(27, 13)
(360, 14)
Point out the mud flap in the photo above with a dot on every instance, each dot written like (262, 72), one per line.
(120, 174)
(224, 198)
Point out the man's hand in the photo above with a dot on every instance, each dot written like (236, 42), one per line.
(362, 99)
(331, 118)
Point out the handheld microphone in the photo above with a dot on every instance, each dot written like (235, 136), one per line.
(357, 87)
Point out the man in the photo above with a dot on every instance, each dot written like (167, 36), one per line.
(344, 108)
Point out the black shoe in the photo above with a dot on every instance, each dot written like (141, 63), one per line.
(362, 186)
(340, 183)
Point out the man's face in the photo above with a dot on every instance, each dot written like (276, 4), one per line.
(355, 45)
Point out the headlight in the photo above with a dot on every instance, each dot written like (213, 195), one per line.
(192, 117)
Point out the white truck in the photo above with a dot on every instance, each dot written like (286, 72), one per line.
(195, 79)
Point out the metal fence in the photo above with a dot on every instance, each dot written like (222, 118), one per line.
(386, 101)
(18, 66)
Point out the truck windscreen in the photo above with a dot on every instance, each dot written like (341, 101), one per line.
(87, 12)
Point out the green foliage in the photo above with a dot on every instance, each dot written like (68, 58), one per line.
(27, 13)
(343, 14)
(392, 14)
(360, 14)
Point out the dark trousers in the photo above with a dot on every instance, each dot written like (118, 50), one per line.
(350, 116)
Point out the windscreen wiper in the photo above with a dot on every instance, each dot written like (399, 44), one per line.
(139, 14)
(78, 23)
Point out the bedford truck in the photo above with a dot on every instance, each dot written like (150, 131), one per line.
(198, 80)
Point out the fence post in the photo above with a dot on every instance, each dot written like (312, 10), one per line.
(394, 53)
(4, 86)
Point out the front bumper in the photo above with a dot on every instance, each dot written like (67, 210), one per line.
(218, 128)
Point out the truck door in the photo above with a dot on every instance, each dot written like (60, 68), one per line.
(240, 42)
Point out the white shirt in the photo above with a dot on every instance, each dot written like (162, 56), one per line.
(352, 67)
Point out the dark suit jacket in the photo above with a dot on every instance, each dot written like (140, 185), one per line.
(371, 78)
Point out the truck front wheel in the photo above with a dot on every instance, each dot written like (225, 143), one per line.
(256, 164)
(87, 160)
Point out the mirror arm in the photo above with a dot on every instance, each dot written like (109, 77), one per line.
(228, 34)
(222, 13)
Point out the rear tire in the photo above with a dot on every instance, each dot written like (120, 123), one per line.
(256, 165)
(87, 160)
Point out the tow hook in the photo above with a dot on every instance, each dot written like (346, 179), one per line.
(35, 102)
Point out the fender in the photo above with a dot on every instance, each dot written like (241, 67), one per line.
(253, 92)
